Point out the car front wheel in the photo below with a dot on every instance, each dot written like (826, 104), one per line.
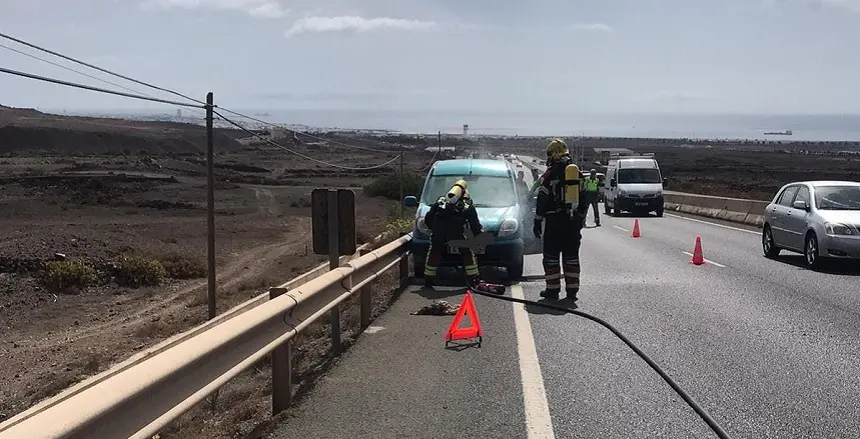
(810, 251)
(768, 245)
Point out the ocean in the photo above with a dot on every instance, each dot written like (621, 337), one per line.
(699, 126)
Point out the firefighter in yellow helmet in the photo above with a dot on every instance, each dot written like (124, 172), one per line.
(563, 204)
(447, 220)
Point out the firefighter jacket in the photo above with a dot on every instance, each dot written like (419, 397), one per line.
(448, 221)
(551, 192)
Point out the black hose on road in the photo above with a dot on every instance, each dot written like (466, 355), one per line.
(687, 398)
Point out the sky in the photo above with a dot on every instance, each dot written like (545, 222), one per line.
(554, 56)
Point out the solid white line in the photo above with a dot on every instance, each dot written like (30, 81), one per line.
(538, 420)
(710, 223)
(622, 229)
(706, 260)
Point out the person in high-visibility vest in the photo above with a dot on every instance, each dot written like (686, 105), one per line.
(592, 192)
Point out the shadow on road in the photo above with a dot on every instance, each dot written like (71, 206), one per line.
(534, 309)
(456, 278)
(837, 267)
(630, 215)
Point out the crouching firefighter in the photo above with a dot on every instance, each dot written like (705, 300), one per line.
(562, 202)
(447, 220)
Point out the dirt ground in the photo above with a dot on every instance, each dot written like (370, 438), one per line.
(99, 205)
(99, 189)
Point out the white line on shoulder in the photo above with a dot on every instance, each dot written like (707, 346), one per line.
(538, 419)
(713, 224)
(706, 260)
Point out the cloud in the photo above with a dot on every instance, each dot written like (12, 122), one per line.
(674, 96)
(592, 27)
(819, 4)
(254, 8)
(356, 24)
(345, 96)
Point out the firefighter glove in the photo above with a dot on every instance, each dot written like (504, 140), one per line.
(536, 229)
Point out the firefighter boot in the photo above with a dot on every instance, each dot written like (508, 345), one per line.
(428, 282)
(549, 294)
(571, 293)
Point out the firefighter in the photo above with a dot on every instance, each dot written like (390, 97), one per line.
(562, 202)
(522, 186)
(592, 190)
(447, 219)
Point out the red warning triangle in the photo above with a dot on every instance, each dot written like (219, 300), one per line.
(467, 307)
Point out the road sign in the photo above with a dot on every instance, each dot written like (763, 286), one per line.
(341, 202)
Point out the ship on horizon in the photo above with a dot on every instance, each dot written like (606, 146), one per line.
(780, 133)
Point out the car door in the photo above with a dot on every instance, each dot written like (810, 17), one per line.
(609, 191)
(796, 220)
(779, 214)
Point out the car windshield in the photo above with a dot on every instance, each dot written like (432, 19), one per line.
(639, 175)
(486, 191)
(837, 197)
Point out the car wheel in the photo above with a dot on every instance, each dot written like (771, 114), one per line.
(810, 251)
(768, 245)
(515, 271)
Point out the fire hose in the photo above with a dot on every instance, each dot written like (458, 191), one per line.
(496, 292)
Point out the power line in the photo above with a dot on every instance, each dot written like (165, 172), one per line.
(68, 58)
(235, 113)
(432, 160)
(146, 84)
(91, 88)
(239, 126)
(75, 71)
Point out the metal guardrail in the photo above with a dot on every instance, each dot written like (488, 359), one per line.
(141, 396)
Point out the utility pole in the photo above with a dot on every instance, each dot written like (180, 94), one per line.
(439, 143)
(401, 182)
(210, 202)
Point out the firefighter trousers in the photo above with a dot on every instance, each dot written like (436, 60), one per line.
(434, 257)
(562, 236)
(592, 202)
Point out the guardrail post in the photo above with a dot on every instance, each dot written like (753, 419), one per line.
(366, 297)
(404, 270)
(282, 369)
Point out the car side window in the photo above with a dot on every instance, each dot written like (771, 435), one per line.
(788, 196)
(803, 195)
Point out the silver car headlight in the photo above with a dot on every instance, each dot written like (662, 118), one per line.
(836, 229)
(509, 227)
(622, 192)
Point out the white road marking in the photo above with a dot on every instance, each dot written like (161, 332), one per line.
(373, 329)
(621, 228)
(706, 260)
(538, 420)
(710, 223)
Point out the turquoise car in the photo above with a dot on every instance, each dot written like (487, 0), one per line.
(499, 205)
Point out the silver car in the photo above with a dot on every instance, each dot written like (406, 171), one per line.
(820, 219)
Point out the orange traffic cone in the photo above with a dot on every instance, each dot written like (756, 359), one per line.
(636, 228)
(698, 259)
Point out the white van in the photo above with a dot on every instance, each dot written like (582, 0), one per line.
(635, 185)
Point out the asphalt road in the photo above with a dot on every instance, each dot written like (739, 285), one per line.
(767, 347)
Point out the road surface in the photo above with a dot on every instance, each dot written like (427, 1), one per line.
(768, 348)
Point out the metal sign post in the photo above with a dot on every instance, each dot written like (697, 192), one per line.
(333, 222)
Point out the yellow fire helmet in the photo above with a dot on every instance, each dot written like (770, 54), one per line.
(457, 191)
(556, 149)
